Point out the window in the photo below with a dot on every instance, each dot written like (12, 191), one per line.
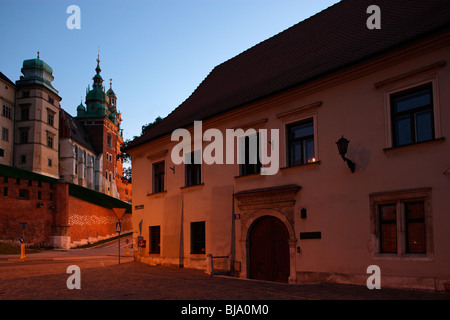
(6, 112)
(198, 237)
(25, 94)
(388, 228)
(49, 162)
(109, 140)
(252, 163)
(300, 142)
(2, 153)
(23, 135)
(193, 168)
(24, 194)
(412, 116)
(158, 177)
(402, 223)
(415, 227)
(50, 117)
(49, 140)
(51, 100)
(24, 113)
(155, 239)
(5, 134)
(5, 191)
(23, 159)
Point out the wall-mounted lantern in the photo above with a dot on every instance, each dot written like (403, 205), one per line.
(342, 145)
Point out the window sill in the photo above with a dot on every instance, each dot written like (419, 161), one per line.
(413, 145)
(258, 174)
(161, 193)
(311, 164)
(195, 186)
(403, 257)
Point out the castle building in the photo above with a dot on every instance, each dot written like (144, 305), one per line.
(7, 96)
(39, 136)
(36, 119)
(92, 142)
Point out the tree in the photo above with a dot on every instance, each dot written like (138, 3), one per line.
(125, 157)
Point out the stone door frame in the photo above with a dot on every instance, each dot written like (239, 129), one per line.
(277, 202)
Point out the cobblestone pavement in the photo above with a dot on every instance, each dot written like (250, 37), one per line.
(173, 291)
(102, 278)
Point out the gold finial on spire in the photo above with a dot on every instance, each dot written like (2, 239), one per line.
(98, 54)
(110, 83)
(38, 55)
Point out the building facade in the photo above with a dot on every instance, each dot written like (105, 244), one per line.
(332, 207)
(7, 92)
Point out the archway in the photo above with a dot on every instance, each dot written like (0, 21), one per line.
(269, 250)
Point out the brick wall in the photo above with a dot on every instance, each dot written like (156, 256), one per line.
(53, 208)
(29, 201)
(87, 220)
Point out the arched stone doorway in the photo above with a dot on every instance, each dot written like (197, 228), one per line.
(277, 203)
(269, 250)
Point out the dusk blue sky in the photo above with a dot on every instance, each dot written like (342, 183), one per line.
(156, 52)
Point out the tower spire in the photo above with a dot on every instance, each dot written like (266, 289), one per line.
(98, 78)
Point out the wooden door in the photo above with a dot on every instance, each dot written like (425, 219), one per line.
(269, 250)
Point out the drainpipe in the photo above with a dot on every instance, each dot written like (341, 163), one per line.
(233, 235)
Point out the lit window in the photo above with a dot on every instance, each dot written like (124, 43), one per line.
(300, 143)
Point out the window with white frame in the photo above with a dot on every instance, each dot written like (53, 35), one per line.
(300, 142)
(412, 116)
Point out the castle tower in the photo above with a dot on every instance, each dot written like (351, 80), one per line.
(101, 121)
(37, 119)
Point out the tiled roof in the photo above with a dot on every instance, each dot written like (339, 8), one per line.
(77, 131)
(2, 76)
(331, 40)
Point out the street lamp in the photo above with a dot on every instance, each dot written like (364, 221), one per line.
(342, 145)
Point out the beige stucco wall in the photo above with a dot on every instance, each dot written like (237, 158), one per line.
(36, 150)
(7, 92)
(337, 201)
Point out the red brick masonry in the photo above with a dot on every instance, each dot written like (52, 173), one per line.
(53, 208)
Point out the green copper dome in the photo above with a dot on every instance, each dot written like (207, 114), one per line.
(95, 94)
(36, 71)
(37, 64)
(81, 107)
